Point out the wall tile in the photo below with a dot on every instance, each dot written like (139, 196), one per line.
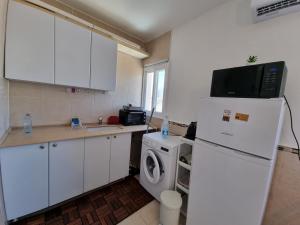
(54, 92)
(55, 112)
(82, 107)
(19, 106)
(23, 89)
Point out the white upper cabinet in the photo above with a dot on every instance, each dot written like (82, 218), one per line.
(44, 48)
(72, 54)
(25, 179)
(29, 53)
(103, 63)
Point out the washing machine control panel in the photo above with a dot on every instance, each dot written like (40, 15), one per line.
(155, 145)
(149, 143)
(164, 149)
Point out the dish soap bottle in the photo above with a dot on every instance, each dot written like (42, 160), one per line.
(165, 127)
(27, 123)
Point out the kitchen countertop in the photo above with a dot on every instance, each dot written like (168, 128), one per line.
(16, 136)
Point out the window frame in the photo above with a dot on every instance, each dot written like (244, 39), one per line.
(155, 68)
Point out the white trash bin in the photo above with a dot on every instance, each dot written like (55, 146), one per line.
(170, 204)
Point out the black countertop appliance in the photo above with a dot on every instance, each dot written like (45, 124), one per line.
(131, 115)
(191, 131)
(254, 81)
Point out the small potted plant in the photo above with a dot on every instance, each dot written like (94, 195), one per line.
(252, 59)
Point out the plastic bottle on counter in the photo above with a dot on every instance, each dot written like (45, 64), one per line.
(165, 127)
(27, 124)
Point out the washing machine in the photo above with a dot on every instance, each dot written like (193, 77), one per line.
(158, 163)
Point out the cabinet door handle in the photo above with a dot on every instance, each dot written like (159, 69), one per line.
(42, 147)
(54, 145)
(107, 138)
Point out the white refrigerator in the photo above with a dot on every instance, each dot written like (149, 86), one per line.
(233, 160)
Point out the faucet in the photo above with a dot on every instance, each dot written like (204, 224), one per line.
(100, 120)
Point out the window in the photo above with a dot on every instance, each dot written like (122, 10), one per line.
(154, 88)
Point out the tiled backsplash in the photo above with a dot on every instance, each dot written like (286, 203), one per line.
(175, 128)
(50, 105)
(4, 111)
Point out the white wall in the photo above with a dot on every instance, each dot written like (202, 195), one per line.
(4, 106)
(225, 37)
(4, 113)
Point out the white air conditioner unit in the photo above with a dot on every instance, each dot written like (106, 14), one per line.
(267, 9)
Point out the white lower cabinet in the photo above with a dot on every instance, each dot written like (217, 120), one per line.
(25, 179)
(96, 162)
(65, 170)
(37, 176)
(119, 156)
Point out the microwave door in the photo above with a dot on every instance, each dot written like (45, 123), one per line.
(237, 82)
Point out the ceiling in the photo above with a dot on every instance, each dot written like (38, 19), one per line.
(144, 19)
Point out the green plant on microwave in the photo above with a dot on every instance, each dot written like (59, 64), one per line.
(252, 59)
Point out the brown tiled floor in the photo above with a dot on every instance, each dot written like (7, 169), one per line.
(107, 206)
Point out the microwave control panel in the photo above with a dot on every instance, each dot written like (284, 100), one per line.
(272, 80)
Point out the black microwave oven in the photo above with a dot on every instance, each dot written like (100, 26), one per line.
(132, 117)
(255, 81)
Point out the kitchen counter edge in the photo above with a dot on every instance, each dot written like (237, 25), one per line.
(40, 135)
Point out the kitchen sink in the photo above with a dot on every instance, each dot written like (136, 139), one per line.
(104, 128)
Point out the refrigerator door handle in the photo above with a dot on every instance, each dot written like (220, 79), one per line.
(231, 151)
(209, 143)
(244, 154)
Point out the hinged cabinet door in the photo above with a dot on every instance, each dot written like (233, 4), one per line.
(25, 179)
(65, 170)
(103, 63)
(249, 125)
(29, 51)
(227, 187)
(120, 156)
(72, 54)
(96, 162)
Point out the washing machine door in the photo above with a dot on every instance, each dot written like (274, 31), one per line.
(152, 167)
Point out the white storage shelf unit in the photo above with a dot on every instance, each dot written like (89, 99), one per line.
(183, 178)
(183, 171)
(44, 48)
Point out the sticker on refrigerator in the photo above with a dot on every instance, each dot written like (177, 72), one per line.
(226, 115)
(242, 117)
